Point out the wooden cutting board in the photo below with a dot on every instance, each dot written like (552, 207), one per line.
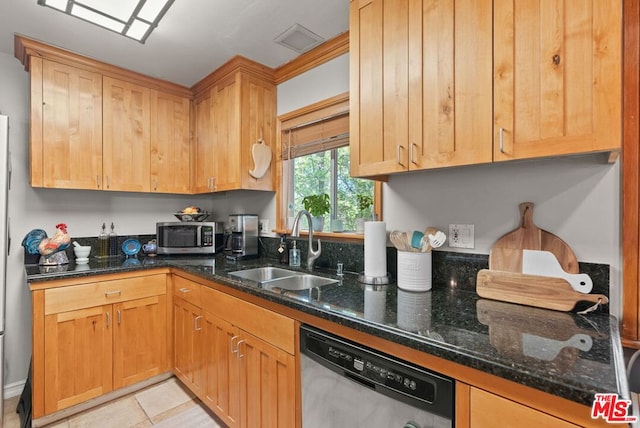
(532, 290)
(261, 154)
(506, 253)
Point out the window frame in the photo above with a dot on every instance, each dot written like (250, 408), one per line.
(334, 105)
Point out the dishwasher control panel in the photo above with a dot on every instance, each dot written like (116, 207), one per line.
(386, 374)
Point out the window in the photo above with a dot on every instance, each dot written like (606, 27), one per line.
(315, 161)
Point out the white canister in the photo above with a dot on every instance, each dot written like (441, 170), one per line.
(414, 271)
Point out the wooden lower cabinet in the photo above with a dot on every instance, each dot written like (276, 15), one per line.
(92, 338)
(139, 347)
(488, 410)
(238, 358)
(78, 349)
(188, 343)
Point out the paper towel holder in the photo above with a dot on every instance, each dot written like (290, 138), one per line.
(375, 280)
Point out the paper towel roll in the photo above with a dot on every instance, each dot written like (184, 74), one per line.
(375, 248)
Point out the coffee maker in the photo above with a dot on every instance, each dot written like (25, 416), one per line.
(242, 236)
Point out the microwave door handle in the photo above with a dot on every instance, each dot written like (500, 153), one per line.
(199, 236)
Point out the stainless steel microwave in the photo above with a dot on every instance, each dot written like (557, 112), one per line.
(189, 237)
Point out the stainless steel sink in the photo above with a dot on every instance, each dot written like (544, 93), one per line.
(273, 278)
(298, 282)
(264, 274)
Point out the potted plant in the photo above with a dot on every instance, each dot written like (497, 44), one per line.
(365, 203)
(318, 206)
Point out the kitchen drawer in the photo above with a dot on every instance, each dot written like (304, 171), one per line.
(187, 290)
(63, 299)
(269, 326)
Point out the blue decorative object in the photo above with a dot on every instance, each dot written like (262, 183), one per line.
(32, 240)
(131, 247)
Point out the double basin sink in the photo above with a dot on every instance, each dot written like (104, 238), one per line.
(274, 278)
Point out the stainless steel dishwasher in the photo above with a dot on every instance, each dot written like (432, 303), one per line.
(345, 384)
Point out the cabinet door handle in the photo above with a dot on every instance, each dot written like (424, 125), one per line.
(234, 349)
(184, 290)
(107, 181)
(399, 150)
(155, 184)
(213, 183)
(411, 154)
(501, 140)
(108, 314)
(119, 316)
(240, 354)
(97, 181)
(112, 293)
(196, 325)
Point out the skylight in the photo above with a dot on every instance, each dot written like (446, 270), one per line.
(135, 19)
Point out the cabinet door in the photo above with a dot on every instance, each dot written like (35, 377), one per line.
(66, 151)
(379, 83)
(257, 119)
(485, 407)
(170, 145)
(450, 78)
(557, 72)
(267, 384)
(140, 340)
(126, 136)
(226, 137)
(78, 349)
(203, 157)
(221, 366)
(187, 330)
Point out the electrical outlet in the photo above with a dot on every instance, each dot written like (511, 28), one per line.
(263, 226)
(461, 236)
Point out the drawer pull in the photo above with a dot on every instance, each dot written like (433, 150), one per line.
(113, 293)
(184, 290)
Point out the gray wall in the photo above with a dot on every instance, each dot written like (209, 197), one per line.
(576, 198)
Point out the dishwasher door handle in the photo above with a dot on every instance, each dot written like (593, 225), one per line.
(362, 381)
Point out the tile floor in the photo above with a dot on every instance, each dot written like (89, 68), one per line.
(165, 405)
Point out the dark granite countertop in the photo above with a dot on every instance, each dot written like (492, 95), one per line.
(561, 353)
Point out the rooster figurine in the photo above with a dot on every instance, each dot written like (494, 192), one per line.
(57, 242)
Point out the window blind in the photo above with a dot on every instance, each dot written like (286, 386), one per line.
(315, 135)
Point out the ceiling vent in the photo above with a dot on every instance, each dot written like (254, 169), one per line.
(298, 38)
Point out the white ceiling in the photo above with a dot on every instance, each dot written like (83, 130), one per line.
(194, 38)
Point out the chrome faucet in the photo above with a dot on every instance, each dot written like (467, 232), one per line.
(295, 233)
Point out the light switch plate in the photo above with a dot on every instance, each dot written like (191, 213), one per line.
(461, 236)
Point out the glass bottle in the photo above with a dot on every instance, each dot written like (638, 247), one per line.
(294, 255)
(113, 241)
(103, 242)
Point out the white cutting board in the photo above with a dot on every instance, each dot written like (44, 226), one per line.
(545, 263)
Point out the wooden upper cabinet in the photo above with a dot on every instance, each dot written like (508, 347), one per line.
(557, 71)
(420, 84)
(203, 169)
(170, 143)
(234, 106)
(66, 126)
(126, 136)
(450, 73)
(379, 101)
(226, 134)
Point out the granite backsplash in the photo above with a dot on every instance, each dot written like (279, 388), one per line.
(453, 269)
